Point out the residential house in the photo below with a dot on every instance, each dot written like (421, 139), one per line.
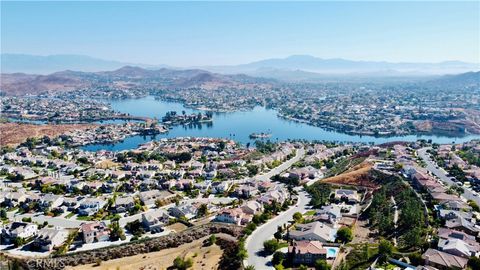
(456, 205)
(94, 232)
(245, 191)
(234, 216)
(50, 201)
(49, 238)
(461, 224)
(18, 229)
(122, 204)
(220, 187)
(277, 195)
(330, 214)
(445, 233)
(314, 231)
(12, 198)
(154, 221)
(443, 260)
(71, 203)
(458, 247)
(451, 214)
(149, 197)
(186, 210)
(252, 207)
(306, 252)
(347, 195)
(90, 206)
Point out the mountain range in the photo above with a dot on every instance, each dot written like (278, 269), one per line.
(127, 77)
(292, 68)
(132, 77)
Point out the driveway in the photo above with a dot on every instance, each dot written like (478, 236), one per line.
(441, 174)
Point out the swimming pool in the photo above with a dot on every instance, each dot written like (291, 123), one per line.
(332, 252)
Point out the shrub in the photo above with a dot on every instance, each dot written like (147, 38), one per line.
(344, 234)
(182, 264)
(321, 264)
(270, 246)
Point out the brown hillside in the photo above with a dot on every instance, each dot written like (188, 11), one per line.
(16, 133)
(358, 175)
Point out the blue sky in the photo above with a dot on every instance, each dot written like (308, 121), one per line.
(213, 33)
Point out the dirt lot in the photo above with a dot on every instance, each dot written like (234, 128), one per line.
(16, 133)
(361, 233)
(177, 227)
(203, 258)
(358, 175)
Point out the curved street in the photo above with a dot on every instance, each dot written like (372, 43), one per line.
(254, 243)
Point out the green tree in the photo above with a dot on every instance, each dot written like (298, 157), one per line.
(385, 249)
(212, 239)
(3, 213)
(297, 217)
(18, 241)
(270, 246)
(202, 210)
(474, 205)
(116, 232)
(413, 237)
(344, 234)
(252, 170)
(278, 233)
(474, 263)
(278, 258)
(322, 264)
(182, 264)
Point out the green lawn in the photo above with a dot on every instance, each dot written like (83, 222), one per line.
(85, 218)
(70, 215)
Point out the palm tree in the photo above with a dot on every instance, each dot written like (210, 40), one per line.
(249, 267)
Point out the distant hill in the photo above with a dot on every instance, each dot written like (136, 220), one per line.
(124, 77)
(317, 67)
(468, 80)
(292, 68)
(36, 64)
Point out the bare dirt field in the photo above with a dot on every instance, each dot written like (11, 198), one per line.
(361, 233)
(16, 133)
(177, 227)
(203, 258)
(358, 175)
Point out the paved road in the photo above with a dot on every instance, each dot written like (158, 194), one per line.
(254, 243)
(395, 220)
(441, 174)
(282, 167)
(277, 170)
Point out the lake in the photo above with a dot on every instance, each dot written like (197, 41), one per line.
(239, 125)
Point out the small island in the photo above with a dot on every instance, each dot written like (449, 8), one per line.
(173, 118)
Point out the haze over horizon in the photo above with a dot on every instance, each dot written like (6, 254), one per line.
(209, 34)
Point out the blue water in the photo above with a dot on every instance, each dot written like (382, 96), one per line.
(239, 125)
(332, 252)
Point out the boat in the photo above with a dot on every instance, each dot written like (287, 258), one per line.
(260, 135)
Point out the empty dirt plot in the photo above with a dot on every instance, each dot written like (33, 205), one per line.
(16, 133)
(358, 175)
(203, 258)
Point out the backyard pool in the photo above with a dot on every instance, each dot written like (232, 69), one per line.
(332, 252)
